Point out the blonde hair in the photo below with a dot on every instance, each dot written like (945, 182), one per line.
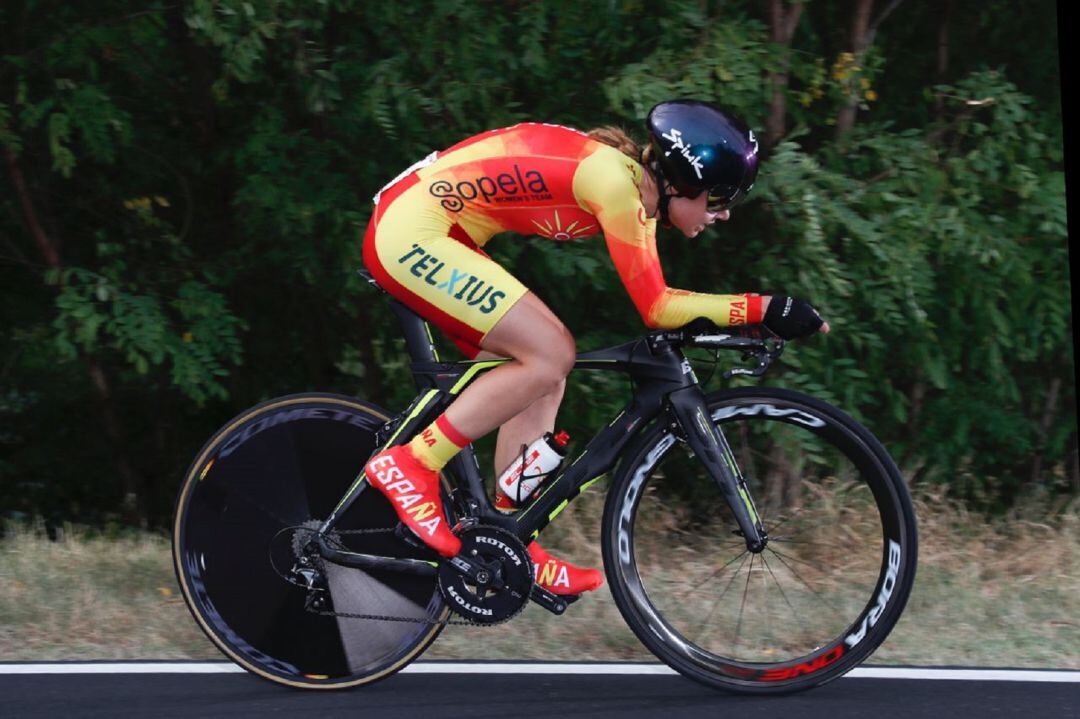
(621, 141)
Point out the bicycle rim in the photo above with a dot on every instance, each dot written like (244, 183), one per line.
(285, 464)
(825, 592)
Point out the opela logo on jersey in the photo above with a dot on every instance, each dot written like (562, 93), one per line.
(459, 284)
(517, 186)
(675, 138)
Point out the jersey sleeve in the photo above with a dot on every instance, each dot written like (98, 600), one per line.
(605, 186)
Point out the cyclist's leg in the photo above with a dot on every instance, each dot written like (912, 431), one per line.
(469, 296)
(553, 574)
(523, 397)
(531, 422)
(542, 352)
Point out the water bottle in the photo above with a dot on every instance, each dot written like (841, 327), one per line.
(532, 466)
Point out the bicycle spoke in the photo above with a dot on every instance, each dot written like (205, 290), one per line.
(716, 602)
(715, 573)
(781, 523)
(797, 559)
(779, 586)
(800, 578)
(742, 606)
(785, 540)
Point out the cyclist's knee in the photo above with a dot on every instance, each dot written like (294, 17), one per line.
(534, 336)
(550, 361)
(564, 353)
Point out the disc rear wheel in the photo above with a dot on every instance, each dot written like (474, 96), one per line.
(251, 499)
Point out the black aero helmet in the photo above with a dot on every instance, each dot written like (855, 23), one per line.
(700, 148)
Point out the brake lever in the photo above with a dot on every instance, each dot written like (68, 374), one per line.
(764, 359)
(762, 365)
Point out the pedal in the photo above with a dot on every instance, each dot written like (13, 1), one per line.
(554, 603)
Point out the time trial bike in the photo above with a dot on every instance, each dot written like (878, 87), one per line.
(754, 539)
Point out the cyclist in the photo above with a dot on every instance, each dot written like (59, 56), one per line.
(424, 246)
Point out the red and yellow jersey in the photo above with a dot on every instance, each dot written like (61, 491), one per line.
(556, 182)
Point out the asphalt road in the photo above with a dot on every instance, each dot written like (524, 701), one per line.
(476, 696)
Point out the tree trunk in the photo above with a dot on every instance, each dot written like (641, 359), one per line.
(133, 507)
(1044, 428)
(50, 254)
(942, 58)
(916, 401)
(860, 28)
(782, 23)
(862, 37)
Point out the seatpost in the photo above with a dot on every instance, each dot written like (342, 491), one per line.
(418, 341)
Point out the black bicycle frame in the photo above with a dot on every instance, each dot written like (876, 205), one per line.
(666, 389)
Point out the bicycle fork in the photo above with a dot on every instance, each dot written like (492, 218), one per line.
(708, 443)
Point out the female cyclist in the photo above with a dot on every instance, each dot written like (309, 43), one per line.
(423, 245)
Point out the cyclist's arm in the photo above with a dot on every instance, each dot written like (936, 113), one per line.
(610, 194)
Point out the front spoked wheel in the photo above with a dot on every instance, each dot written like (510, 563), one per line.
(827, 589)
(249, 506)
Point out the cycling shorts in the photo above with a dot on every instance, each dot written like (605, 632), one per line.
(435, 268)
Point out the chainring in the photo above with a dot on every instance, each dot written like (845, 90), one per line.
(510, 568)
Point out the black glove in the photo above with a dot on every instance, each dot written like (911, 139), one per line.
(790, 318)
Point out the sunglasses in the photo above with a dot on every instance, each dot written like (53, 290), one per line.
(724, 197)
(720, 198)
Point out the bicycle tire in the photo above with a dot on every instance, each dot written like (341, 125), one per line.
(844, 471)
(280, 464)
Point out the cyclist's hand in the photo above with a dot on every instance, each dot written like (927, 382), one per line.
(791, 318)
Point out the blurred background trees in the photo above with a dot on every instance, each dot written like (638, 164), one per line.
(186, 185)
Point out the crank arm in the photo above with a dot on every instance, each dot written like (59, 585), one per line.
(708, 443)
(554, 603)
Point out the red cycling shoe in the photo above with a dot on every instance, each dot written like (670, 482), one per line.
(413, 489)
(559, 577)
(554, 575)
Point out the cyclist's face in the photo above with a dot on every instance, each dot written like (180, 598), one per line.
(693, 216)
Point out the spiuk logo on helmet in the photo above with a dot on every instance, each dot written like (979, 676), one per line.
(675, 138)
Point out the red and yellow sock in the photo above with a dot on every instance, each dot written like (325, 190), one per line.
(438, 444)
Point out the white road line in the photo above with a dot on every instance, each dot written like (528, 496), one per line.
(986, 675)
(535, 668)
(122, 668)
(1006, 675)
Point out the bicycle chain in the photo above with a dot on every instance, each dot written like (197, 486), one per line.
(387, 617)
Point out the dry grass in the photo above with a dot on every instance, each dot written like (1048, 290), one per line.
(1001, 593)
(92, 598)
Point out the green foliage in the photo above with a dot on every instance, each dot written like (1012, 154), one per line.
(203, 171)
(699, 57)
(194, 333)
